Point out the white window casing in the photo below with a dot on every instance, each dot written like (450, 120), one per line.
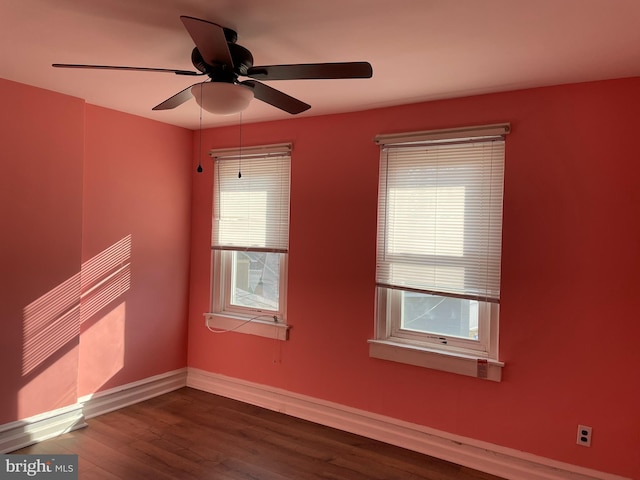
(250, 221)
(439, 237)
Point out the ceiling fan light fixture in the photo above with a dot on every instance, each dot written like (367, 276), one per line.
(222, 98)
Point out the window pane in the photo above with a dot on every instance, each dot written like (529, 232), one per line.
(439, 315)
(255, 280)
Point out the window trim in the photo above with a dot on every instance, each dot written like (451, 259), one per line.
(472, 132)
(452, 362)
(481, 361)
(221, 323)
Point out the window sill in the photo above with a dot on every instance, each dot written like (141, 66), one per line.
(472, 366)
(221, 323)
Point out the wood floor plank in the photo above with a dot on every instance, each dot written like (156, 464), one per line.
(189, 434)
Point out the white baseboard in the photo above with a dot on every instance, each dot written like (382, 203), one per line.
(125, 395)
(40, 427)
(21, 433)
(483, 456)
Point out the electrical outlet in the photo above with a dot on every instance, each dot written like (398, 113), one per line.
(584, 436)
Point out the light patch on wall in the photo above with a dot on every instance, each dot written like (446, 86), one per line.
(53, 320)
(51, 388)
(105, 355)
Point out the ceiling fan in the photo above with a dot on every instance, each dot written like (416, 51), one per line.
(217, 55)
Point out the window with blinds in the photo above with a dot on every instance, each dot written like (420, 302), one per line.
(439, 236)
(251, 201)
(250, 230)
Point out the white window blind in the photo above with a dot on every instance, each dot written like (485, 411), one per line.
(251, 210)
(440, 216)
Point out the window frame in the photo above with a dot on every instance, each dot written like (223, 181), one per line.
(223, 260)
(477, 358)
(225, 316)
(388, 319)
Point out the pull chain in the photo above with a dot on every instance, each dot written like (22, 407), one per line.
(240, 157)
(199, 169)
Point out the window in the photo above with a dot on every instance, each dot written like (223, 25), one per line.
(250, 240)
(439, 248)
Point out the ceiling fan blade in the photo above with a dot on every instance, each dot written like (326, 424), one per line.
(209, 39)
(114, 67)
(276, 98)
(312, 71)
(176, 100)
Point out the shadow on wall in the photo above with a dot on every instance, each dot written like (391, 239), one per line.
(52, 324)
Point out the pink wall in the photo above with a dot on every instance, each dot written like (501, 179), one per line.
(84, 186)
(41, 218)
(570, 273)
(137, 194)
(88, 189)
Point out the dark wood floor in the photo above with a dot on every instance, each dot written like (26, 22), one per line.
(189, 434)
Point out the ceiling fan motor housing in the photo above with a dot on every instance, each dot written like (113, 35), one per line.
(242, 62)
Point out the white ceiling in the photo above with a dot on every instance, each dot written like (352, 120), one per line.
(419, 49)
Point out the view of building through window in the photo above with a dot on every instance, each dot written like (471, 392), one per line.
(440, 315)
(255, 280)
